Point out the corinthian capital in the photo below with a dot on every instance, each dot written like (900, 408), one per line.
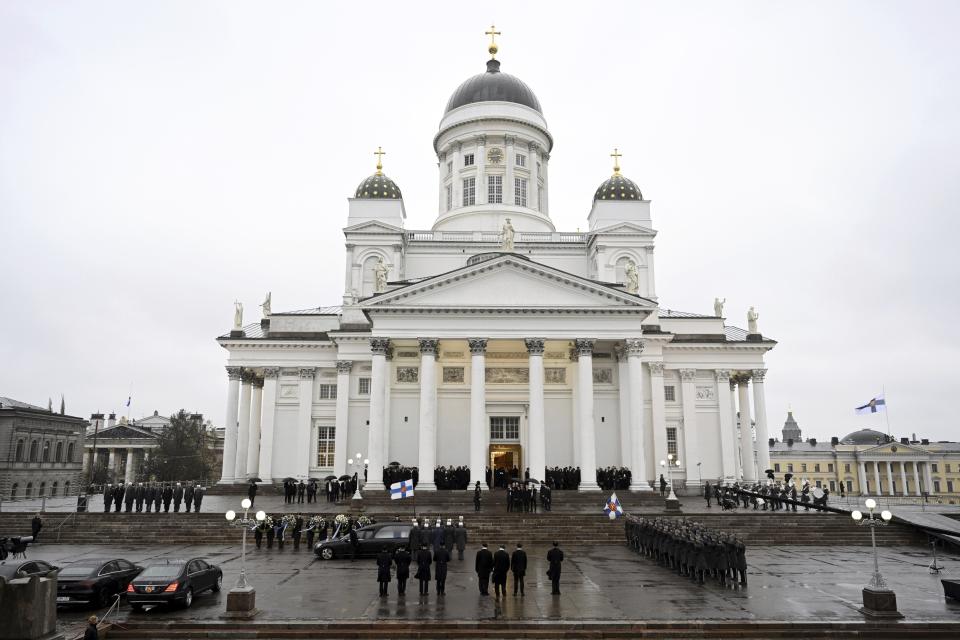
(234, 373)
(344, 366)
(633, 346)
(722, 375)
(429, 346)
(478, 346)
(271, 372)
(307, 373)
(688, 375)
(656, 368)
(534, 346)
(584, 346)
(379, 346)
(758, 375)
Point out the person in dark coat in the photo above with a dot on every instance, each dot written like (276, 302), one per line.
(157, 498)
(117, 497)
(518, 566)
(128, 496)
(138, 495)
(252, 492)
(437, 536)
(448, 536)
(258, 533)
(501, 565)
(555, 558)
(91, 633)
(663, 486)
(483, 567)
(384, 561)
(460, 539)
(441, 558)
(402, 558)
(708, 494)
(148, 496)
(423, 569)
(297, 531)
(188, 494)
(35, 525)
(271, 534)
(107, 497)
(476, 496)
(167, 497)
(301, 492)
(198, 494)
(177, 498)
(413, 538)
(354, 542)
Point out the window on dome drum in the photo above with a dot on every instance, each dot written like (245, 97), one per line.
(521, 160)
(670, 393)
(53, 490)
(504, 427)
(520, 192)
(449, 197)
(468, 159)
(364, 389)
(328, 391)
(818, 484)
(29, 492)
(494, 189)
(13, 491)
(43, 490)
(326, 440)
(34, 451)
(469, 192)
(672, 441)
(946, 466)
(803, 468)
(450, 167)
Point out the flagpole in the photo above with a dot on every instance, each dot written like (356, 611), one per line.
(886, 408)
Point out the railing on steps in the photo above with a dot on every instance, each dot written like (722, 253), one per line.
(64, 522)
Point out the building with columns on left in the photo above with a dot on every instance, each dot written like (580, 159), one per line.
(490, 339)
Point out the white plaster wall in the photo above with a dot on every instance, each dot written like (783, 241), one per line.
(358, 431)
(285, 446)
(559, 424)
(453, 429)
(606, 410)
(404, 436)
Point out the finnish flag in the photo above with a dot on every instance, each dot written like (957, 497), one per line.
(875, 405)
(402, 489)
(613, 508)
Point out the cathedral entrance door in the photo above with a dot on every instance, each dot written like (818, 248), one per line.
(506, 463)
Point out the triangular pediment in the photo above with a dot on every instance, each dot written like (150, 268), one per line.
(125, 432)
(508, 282)
(624, 228)
(372, 226)
(894, 448)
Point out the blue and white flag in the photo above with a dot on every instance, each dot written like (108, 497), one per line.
(613, 508)
(402, 489)
(875, 405)
(128, 400)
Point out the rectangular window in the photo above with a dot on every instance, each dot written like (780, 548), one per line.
(949, 486)
(326, 438)
(328, 391)
(833, 486)
(450, 167)
(846, 468)
(849, 485)
(672, 441)
(946, 466)
(364, 389)
(494, 189)
(504, 427)
(936, 486)
(789, 467)
(669, 393)
(819, 485)
(816, 467)
(933, 467)
(449, 197)
(776, 467)
(521, 160)
(803, 467)
(830, 468)
(520, 192)
(468, 159)
(469, 192)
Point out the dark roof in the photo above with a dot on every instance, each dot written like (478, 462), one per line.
(378, 186)
(618, 187)
(673, 313)
(865, 436)
(16, 404)
(315, 311)
(493, 86)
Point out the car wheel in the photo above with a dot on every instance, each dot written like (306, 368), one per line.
(188, 599)
(326, 553)
(218, 584)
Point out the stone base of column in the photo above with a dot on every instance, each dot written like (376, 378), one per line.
(588, 486)
(640, 485)
(373, 486)
(241, 604)
(425, 486)
(227, 481)
(880, 604)
(693, 484)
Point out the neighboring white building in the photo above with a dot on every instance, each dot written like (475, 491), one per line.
(492, 338)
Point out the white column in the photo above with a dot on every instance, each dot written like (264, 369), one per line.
(480, 162)
(457, 181)
(267, 422)
(916, 477)
(243, 430)
(862, 467)
(658, 420)
(428, 413)
(389, 377)
(479, 431)
(623, 393)
(301, 456)
(509, 163)
(929, 477)
(536, 423)
(876, 477)
(112, 459)
(903, 478)
(735, 439)
(230, 425)
(253, 444)
(760, 417)
(688, 399)
(340, 453)
(728, 455)
(588, 443)
(378, 385)
(128, 469)
(890, 489)
(533, 186)
(746, 429)
(575, 409)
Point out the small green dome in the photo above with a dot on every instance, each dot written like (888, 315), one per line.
(378, 186)
(618, 187)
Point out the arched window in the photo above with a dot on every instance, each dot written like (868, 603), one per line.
(13, 491)
(19, 457)
(66, 489)
(46, 451)
(70, 452)
(53, 490)
(58, 457)
(29, 492)
(43, 490)
(34, 450)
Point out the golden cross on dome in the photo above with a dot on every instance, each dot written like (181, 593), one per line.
(616, 155)
(493, 33)
(379, 153)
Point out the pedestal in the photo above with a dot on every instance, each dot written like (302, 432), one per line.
(241, 604)
(671, 506)
(356, 504)
(879, 604)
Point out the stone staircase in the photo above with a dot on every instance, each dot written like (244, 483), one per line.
(528, 528)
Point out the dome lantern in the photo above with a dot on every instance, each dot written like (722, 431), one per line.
(378, 186)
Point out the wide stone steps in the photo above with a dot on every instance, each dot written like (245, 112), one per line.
(568, 529)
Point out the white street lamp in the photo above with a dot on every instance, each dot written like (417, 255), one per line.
(360, 467)
(669, 463)
(883, 604)
(244, 523)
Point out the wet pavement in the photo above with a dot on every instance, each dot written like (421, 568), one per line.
(603, 582)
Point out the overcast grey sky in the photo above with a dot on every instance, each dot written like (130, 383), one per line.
(159, 160)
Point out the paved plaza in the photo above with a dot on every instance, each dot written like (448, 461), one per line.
(604, 582)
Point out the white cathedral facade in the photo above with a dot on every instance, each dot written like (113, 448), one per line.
(493, 339)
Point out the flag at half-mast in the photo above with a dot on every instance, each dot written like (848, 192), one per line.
(613, 508)
(402, 489)
(875, 405)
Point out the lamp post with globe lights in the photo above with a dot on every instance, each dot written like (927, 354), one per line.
(242, 598)
(879, 601)
(360, 465)
(672, 503)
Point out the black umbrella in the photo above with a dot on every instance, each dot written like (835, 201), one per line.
(394, 464)
(289, 479)
(312, 480)
(255, 480)
(345, 477)
(330, 478)
(532, 481)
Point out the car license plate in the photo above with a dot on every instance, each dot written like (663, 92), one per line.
(63, 599)
(149, 589)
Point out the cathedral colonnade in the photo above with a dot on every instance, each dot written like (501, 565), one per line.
(252, 403)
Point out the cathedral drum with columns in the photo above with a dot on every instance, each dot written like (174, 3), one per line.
(493, 339)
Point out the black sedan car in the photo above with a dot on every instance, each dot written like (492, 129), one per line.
(173, 581)
(22, 568)
(370, 539)
(95, 581)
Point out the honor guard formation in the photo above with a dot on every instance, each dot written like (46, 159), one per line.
(148, 496)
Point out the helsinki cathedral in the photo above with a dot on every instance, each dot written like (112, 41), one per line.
(492, 339)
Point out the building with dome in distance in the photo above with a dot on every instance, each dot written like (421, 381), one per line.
(492, 339)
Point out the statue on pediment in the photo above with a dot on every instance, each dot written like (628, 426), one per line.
(238, 315)
(752, 316)
(718, 307)
(380, 272)
(266, 305)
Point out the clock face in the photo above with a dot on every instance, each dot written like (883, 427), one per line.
(495, 155)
